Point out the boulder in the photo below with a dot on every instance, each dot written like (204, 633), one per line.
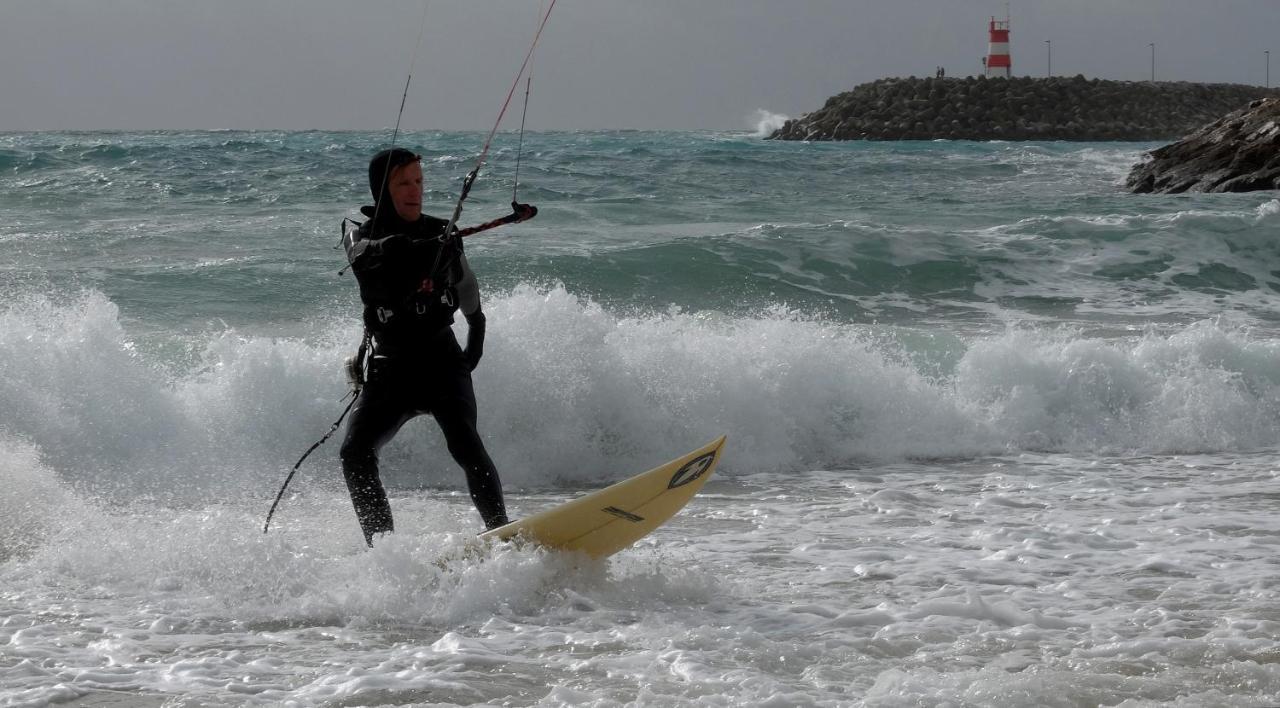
(1237, 153)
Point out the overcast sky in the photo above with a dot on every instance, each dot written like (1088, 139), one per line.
(650, 64)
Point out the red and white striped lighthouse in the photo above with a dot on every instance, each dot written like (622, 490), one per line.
(998, 62)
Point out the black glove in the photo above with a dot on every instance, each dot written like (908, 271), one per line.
(475, 340)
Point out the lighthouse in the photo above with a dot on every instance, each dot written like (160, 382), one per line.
(998, 61)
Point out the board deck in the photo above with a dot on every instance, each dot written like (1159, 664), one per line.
(606, 521)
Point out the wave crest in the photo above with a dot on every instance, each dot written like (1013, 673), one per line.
(572, 393)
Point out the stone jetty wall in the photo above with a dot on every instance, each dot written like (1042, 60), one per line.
(1238, 153)
(1058, 108)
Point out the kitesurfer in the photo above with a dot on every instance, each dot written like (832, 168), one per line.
(412, 280)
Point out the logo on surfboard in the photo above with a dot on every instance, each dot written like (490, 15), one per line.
(692, 470)
(622, 514)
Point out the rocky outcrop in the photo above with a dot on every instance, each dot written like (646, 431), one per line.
(1058, 108)
(1238, 153)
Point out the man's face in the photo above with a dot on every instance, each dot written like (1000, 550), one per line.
(406, 191)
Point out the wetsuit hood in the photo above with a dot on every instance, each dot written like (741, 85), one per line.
(380, 168)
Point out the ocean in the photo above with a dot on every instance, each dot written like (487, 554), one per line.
(999, 433)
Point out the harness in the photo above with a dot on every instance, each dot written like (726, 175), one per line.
(397, 293)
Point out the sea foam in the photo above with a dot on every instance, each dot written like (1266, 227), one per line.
(572, 393)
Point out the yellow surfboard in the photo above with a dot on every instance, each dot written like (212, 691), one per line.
(611, 519)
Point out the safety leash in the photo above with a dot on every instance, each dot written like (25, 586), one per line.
(333, 429)
(356, 373)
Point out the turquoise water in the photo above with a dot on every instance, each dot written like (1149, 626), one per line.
(999, 432)
(181, 229)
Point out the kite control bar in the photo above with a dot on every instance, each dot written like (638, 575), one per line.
(519, 212)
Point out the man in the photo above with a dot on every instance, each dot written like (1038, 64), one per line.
(412, 282)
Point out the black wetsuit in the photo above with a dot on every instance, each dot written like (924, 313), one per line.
(411, 284)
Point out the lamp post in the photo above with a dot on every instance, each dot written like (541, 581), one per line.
(1048, 43)
(1153, 61)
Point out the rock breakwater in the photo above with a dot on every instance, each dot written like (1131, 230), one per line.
(1237, 153)
(1057, 108)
